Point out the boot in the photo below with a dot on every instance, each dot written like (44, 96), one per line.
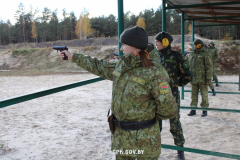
(217, 84)
(204, 113)
(181, 155)
(192, 112)
(214, 94)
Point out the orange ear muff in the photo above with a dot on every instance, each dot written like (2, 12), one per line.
(138, 54)
(199, 46)
(165, 42)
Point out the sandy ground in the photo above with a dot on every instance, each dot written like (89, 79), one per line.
(73, 125)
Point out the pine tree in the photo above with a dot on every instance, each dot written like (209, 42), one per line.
(46, 15)
(20, 17)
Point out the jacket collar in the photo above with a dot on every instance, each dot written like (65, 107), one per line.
(165, 50)
(132, 60)
(211, 47)
(200, 50)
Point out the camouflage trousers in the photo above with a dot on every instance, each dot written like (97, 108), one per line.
(175, 124)
(118, 157)
(211, 85)
(214, 73)
(204, 92)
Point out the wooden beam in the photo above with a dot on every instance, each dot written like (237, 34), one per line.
(224, 0)
(222, 18)
(211, 13)
(226, 22)
(220, 8)
(210, 10)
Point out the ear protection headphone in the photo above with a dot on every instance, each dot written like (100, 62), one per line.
(199, 46)
(165, 41)
(211, 43)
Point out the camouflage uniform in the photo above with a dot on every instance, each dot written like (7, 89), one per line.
(201, 66)
(180, 75)
(213, 51)
(210, 83)
(189, 59)
(138, 94)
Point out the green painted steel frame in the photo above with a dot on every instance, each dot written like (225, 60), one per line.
(23, 98)
(199, 151)
(216, 92)
(163, 15)
(120, 24)
(176, 9)
(211, 109)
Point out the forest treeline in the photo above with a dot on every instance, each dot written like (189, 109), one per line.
(33, 26)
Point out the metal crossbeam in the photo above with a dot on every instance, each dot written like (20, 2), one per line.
(23, 98)
(199, 151)
(211, 109)
(217, 92)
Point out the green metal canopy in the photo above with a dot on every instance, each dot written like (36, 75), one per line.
(215, 11)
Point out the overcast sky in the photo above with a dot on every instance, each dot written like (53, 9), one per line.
(95, 7)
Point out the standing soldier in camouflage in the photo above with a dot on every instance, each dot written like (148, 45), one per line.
(213, 51)
(201, 66)
(178, 70)
(210, 83)
(141, 95)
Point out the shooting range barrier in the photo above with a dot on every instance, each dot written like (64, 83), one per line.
(234, 19)
(27, 97)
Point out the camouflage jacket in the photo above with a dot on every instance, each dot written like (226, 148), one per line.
(176, 66)
(138, 94)
(213, 51)
(201, 66)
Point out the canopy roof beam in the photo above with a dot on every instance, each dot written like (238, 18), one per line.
(202, 5)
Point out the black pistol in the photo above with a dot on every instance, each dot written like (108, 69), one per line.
(115, 54)
(61, 48)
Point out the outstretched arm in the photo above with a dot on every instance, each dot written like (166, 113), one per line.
(102, 68)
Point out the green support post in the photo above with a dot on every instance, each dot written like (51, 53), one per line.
(163, 15)
(239, 69)
(193, 34)
(120, 24)
(182, 32)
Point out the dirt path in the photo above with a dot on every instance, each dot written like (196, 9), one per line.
(73, 125)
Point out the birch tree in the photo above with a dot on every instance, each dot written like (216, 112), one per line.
(141, 22)
(83, 26)
(34, 31)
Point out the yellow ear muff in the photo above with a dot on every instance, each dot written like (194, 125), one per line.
(199, 46)
(165, 42)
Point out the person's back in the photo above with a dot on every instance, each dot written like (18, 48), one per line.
(198, 66)
(141, 95)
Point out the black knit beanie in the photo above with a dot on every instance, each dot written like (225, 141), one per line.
(135, 37)
(162, 35)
